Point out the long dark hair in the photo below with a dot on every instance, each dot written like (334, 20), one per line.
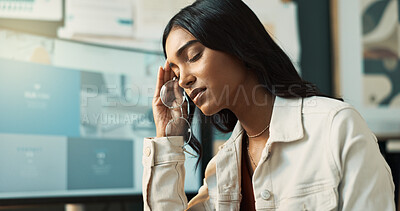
(232, 27)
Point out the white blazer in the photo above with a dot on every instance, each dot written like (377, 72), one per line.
(320, 156)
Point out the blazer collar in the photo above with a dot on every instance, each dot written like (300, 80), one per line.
(286, 122)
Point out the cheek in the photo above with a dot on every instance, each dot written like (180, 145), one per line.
(221, 75)
(222, 85)
(226, 70)
(226, 84)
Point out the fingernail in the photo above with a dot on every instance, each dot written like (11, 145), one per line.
(166, 68)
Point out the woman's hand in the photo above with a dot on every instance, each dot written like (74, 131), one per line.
(162, 114)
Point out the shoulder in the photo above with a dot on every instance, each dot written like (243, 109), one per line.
(344, 126)
(316, 104)
(338, 119)
(336, 112)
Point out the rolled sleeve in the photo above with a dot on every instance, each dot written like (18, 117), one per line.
(162, 150)
(163, 173)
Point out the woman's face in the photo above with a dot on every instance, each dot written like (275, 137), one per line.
(214, 75)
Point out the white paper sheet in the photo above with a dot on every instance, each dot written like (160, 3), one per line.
(98, 17)
(153, 15)
(49, 10)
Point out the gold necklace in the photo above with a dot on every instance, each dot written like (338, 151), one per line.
(258, 134)
(248, 152)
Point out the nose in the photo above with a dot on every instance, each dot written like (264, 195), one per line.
(186, 80)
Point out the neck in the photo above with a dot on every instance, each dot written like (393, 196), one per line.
(254, 109)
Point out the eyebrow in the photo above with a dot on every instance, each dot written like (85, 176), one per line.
(182, 48)
(186, 45)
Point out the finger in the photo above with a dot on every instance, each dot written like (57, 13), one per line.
(167, 73)
(172, 74)
(160, 82)
(166, 65)
(185, 109)
(175, 113)
(168, 68)
(178, 93)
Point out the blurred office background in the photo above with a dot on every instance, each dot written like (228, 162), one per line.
(77, 78)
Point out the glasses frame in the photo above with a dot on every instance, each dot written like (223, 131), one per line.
(180, 106)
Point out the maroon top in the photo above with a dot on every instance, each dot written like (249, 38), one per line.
(248, 202)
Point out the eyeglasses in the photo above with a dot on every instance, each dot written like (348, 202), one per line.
(173, 97)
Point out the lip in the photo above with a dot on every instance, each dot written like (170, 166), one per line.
(195, 93)
(197, 97)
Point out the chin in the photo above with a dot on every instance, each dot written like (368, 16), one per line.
(208, 110)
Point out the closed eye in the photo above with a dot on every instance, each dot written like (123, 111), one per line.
(196, 57)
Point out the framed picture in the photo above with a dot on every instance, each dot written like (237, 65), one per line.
(366, 43)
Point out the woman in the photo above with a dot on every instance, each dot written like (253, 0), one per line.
(291, 148)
